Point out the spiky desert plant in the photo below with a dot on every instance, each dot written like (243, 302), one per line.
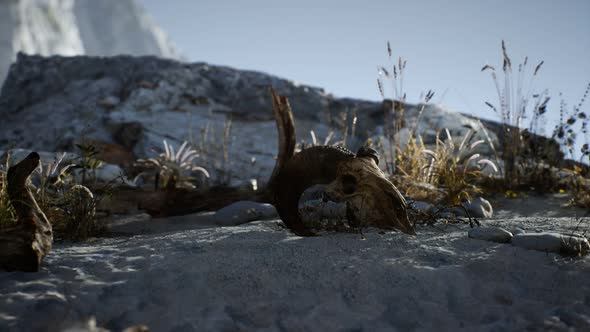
(175, 168)
(515, 97)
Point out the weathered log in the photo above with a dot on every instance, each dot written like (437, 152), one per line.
(174, 202)
(24, 245)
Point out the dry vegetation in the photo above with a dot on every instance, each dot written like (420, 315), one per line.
(69, 206)
(448, 172)
(451, 171)
(7, 213)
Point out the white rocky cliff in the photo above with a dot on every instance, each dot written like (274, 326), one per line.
(68, 27)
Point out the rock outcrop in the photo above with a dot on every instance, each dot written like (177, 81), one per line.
(132, 104)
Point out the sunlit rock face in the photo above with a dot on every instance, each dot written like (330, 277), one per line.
(68, 27)
(127, 29)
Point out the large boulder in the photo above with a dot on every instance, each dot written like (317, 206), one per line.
(134, 103)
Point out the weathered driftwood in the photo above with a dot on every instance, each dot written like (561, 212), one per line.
(23, 246)
(175, 201)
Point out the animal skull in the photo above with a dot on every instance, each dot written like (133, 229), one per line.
(354, 180)
(372, 200)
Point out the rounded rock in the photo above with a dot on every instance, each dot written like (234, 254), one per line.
(552, 242)
(494, 234)
(242, 212)
(479, 208)
(422, 207)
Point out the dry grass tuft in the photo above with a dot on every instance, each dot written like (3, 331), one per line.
(448, 172)
(69, 206)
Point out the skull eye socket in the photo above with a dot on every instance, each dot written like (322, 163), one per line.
(348, 184)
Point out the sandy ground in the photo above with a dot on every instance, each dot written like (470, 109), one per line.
(185, 274)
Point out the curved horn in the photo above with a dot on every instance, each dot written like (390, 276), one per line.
(286, 128)
(293, 174)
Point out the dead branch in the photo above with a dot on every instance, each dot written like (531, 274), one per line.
(286, 130)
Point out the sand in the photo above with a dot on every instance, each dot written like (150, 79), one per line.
(196, 276)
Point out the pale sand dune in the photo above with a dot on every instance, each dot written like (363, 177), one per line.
(260, 277)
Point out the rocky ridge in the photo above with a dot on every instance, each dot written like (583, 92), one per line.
(129, 105)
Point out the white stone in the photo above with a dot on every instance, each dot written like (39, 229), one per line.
(552, 242)
(479, 208)
(517, 230)
(243, 212)
(494, 234)
(422, 207)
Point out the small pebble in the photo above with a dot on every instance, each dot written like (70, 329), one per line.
(422, 207)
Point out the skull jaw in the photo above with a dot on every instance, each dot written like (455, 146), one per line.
(366, 210)
(324, 210)
(320, 212)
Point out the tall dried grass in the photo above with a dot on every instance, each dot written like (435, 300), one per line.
(449, 172)
(516, 102)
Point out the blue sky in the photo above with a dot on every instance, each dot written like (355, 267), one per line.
(339, 44)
